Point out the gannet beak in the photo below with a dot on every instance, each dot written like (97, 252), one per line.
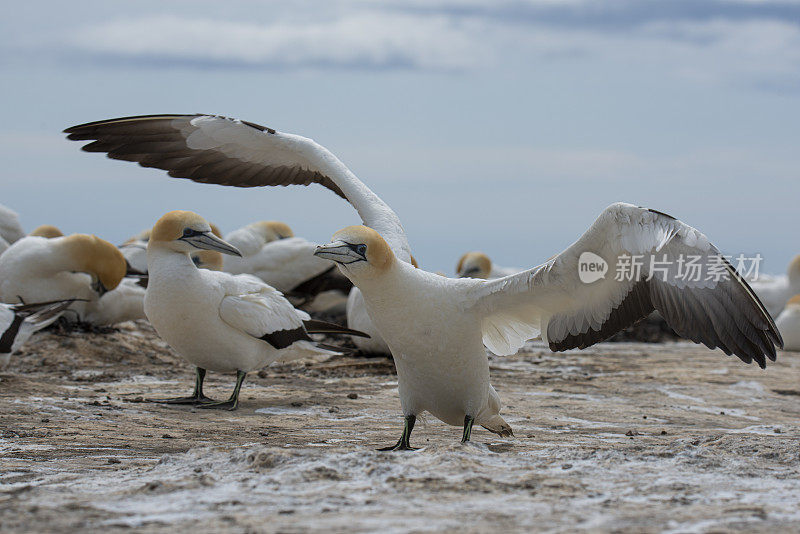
(469, 272)
(99, 288)
(341, 252)
(208, 241)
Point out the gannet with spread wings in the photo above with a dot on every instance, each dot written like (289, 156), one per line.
(437, 327)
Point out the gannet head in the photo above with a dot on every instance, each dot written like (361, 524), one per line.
(272, 230)
(47, 230)
(359, 250)
(793, 272)
(209, 259)
(185, 232)
(144, 235)
(793, 302)
(474, 265)
(414, 262)
(96, 257)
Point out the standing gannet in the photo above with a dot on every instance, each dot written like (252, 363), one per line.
(47, 230)
(78, 266)
(18, 322)
(478, 265)
(437, 327)
(216, 320)
(788, 323)
(10, 229)
(774, 291)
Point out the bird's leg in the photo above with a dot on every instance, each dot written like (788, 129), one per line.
(468, 422)
(403, 443)
(233, 401)
(196, 398)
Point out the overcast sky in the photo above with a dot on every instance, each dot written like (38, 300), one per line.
(502, 126)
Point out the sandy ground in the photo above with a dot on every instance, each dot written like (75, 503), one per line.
(623, 437)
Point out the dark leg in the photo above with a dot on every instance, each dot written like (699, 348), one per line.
(196, 398)
(232, 402)
(468, 422)
(403, 443)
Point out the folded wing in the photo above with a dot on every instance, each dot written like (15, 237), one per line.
(652, 262)
(265, 314)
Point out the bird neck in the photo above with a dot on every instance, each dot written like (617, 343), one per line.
(162, 261)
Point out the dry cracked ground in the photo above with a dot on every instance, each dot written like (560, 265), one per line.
(623, 437)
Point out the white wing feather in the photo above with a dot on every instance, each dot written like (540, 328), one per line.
(258, 309)
(552, 301)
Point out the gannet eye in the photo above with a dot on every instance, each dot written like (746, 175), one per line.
(188, 232)
(361, 249)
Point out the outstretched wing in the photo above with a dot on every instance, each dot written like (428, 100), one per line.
(219, 150)
(642, 261)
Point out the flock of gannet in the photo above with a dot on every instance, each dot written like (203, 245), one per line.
(436, 328)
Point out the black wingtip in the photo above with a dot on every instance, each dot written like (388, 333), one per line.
(80, 127)
(315, 326)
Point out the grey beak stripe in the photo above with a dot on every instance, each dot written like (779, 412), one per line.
(209, 241)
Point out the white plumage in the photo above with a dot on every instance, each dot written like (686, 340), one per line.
(216, 320)
(283, 264)
(774, 291)
(135, 252)
(10, 229)
(19, 321)
(358, 319)
(38, 269)
(123, 303)
(788, 323)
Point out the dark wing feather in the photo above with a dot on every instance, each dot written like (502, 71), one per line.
(159, 141)
(722, 311)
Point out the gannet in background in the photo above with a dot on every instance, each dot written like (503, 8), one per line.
(251, 238)
(774, 291)
(135, 251)
(272, 253)
(788, 323)
(437, 327)
(10, 229)
(123, 303)
(478, 265)
(78, 266)
(19, 321)
(358, 318)
(47, 230)
(216, 320)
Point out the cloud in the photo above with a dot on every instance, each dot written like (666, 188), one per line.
(721, 42)
(356, 40)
